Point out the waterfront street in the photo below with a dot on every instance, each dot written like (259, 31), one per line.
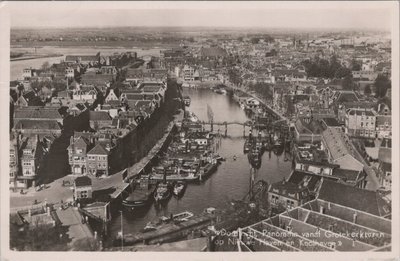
(55, 192)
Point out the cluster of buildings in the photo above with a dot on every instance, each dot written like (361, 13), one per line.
(100, 113)
(340, 184)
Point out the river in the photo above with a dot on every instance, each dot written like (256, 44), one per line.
(230, 181)
(16, 67)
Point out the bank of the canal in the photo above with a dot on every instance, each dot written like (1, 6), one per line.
(230, 181)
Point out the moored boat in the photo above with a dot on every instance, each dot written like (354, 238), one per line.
(207, 170)
(162, 193)
(141, 196)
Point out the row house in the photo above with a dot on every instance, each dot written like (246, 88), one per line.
(77, 153)
(28, 73)
(98, 160)
(85, 93)
(385, 168)
(87, 60)
(38, 127)
(361, 122)
(14, 161)
(90, 153)
(364, 75)
(101, 81)
(383, 126)
(111, 70)
(31, 158)
(297, 190)
(345, 106)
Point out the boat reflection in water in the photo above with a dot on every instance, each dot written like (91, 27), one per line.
(179, 188)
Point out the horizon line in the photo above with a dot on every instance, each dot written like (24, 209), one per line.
(202, 27)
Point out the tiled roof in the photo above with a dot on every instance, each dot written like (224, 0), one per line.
(336, 142)
(98, 150)
(360, 199)
(32, 112)
(38, 125)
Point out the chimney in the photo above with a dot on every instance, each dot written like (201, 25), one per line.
(29, 212)
(48, 211)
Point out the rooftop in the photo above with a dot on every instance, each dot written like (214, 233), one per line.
(355, 198)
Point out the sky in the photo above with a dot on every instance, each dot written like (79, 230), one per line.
(365, 15)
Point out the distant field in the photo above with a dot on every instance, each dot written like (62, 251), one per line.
(126, 44)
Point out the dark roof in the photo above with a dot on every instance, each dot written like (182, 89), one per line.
(305, 179)
(331, 122)
(356, 198)
(38, 124)
(385, 155)
(98, 150)
(382, 119)
(307, 128)
(83, 181)
(346, 174)
(99, 116)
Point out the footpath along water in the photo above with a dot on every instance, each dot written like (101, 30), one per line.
(230, 181)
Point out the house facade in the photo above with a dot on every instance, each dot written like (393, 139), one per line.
(97, 161)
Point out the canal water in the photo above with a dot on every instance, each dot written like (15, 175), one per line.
(230, 181)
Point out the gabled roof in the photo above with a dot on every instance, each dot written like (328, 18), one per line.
(32, 112)
(37, 124)
(356, 198)
(98, 150)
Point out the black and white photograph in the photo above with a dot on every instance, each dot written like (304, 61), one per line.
(191, 127)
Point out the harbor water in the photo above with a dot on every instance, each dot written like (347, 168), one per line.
(230, 181)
